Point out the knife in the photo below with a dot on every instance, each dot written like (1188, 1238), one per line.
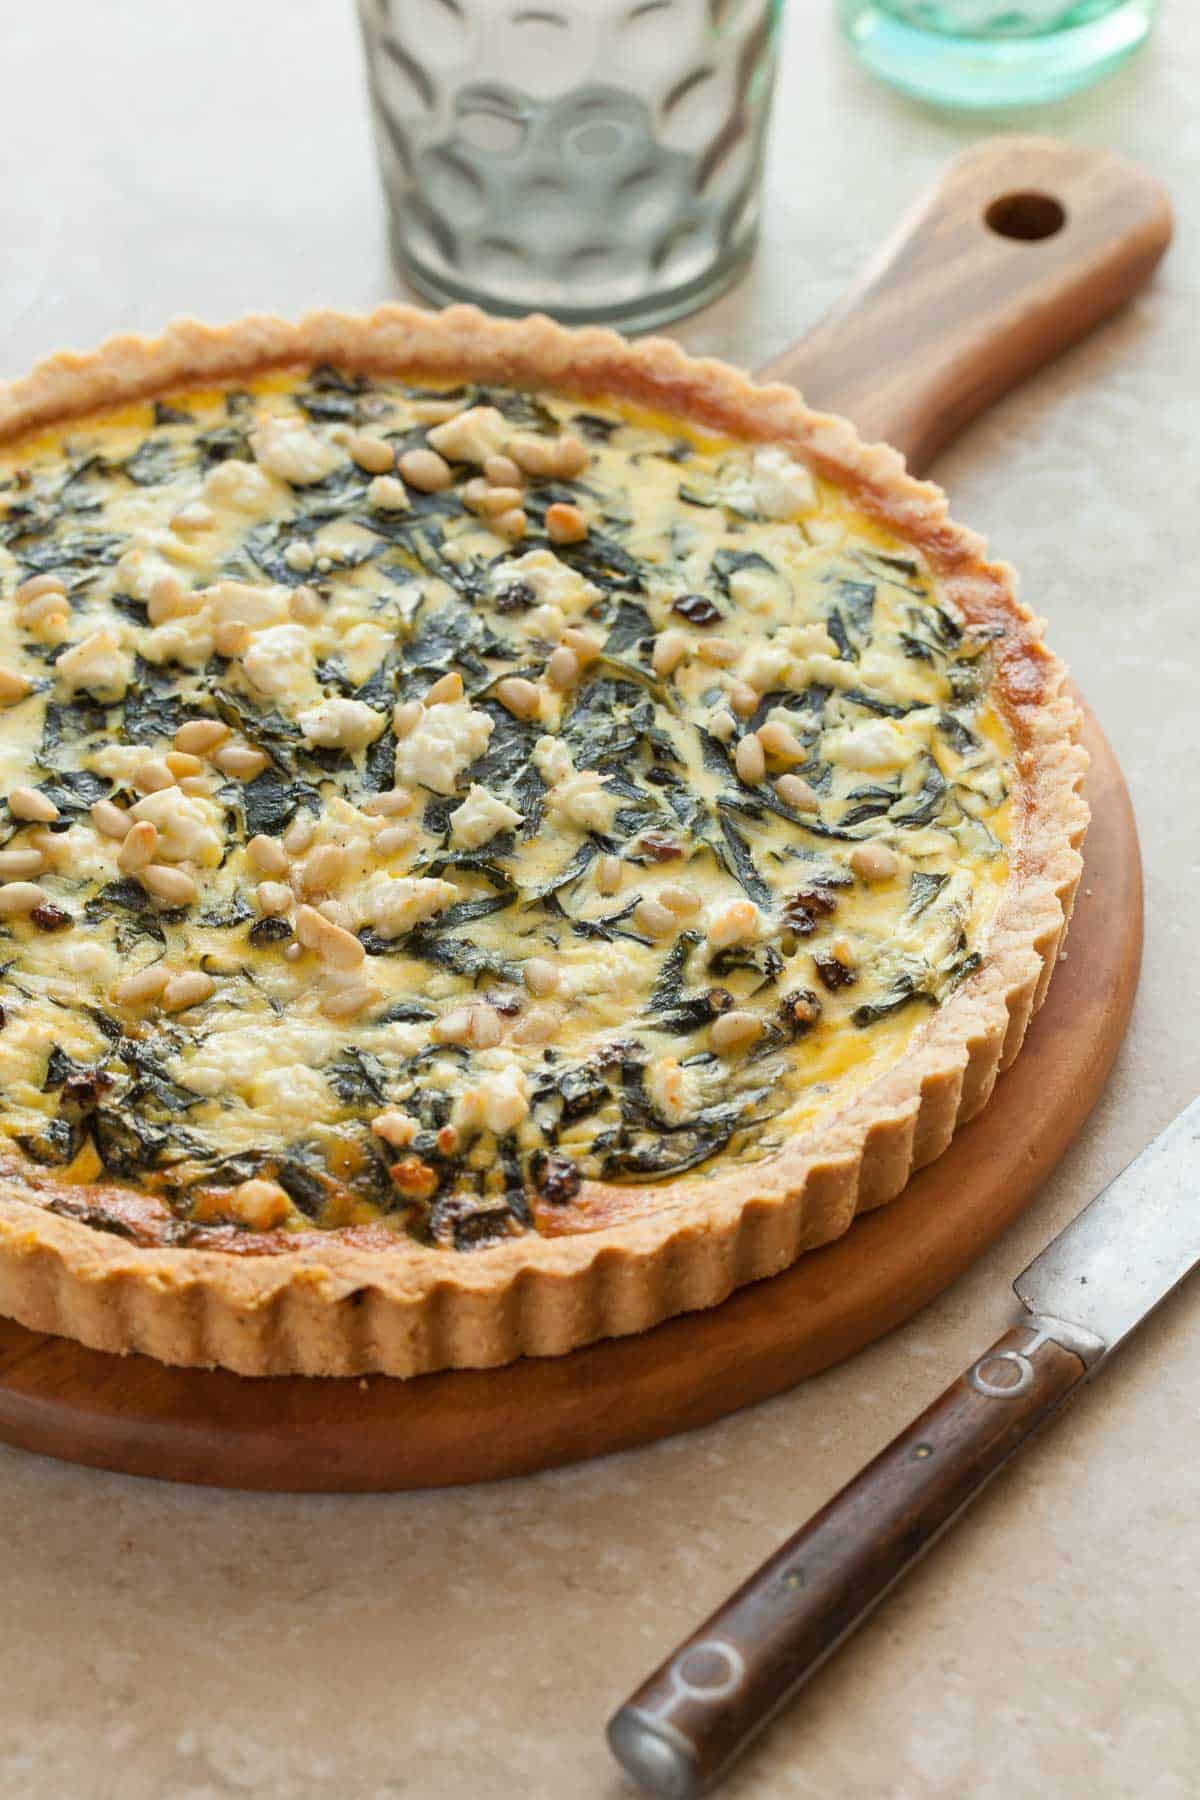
(1083, 1296)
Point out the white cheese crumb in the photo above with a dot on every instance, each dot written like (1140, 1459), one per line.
(347, 724)
(577, 795)
(237, 603)
(554, 583)
(393, 904)
(503, 1099)
(279, 661)
(781, 486)
(187, 826)
(442, 743)
(97, 665)
(480, 817)
(238, 485)
(672, 1089)
(286, 447)
(472, 436)
(875, 745)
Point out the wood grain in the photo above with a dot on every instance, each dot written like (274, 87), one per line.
(297, 1434)
(719, 1688)
(953, 313)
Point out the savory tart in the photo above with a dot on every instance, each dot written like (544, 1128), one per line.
(506, 836)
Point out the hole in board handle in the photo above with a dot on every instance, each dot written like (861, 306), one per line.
(1027, 217)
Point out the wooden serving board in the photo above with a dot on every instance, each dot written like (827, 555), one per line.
(1025, 246)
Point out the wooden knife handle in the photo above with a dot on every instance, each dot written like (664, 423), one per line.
(1022, 248)
(684, 1727)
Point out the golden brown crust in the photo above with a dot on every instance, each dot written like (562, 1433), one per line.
(346, 1307)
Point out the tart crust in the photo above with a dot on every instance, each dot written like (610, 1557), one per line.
(341, 1304)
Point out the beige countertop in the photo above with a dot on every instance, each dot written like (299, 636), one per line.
(188, 1643)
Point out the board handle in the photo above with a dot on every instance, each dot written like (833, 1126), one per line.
(683, 1728)
(1023, 247)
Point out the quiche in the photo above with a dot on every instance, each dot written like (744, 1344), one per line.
(506, 835)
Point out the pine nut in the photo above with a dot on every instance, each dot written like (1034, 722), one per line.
(13, 687)
(874, 862)
(733, 1031)
(304, 605)
(334, 945)
(147, 984)
(20, 897)
(242, 761)
(323, 868)
(195, 516)
(273, 898)
(19, 862)
(540, 976)
(563, 668)
(387, 494)
(502, 472)
(608, 874)
(110, 820)
(511, 525)
(742, 698)
(182, 763)
(300, 834)
(720, 652)
(670, 648)
(537, 456)
(447, 689)
(565, 524)
(37, 586)
(680, 900)
(174, 887)
(453, 1027)
(374, 454)
(30, 803)
(138, 848)
(843, 949)
(267, 854)
(585, 644)
(736, 923)
(389, 804)
(658, 920)
(486, 1028)
(425, 470)
(492, 501)
(518, 696)
(539, 1025)
(152, 776)
(795, 792)
(198, 736)
(167, 600)
(393, 839)
(779, 740)
(188, 989)
(49, 610)
(194, 784)
(348, 1002)
(571, 456)
(749, 761)
(299, 556)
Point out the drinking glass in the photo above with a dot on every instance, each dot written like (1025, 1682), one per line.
(982, 53)
(596, 159)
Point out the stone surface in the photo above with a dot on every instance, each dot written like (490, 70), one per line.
(197, 1644)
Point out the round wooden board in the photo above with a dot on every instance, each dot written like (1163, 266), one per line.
(297, 1434)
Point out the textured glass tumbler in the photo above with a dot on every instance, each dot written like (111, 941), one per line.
(981, 53)
(600, 160)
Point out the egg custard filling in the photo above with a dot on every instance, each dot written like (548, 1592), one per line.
(422, 802)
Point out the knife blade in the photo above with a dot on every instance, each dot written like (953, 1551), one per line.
(1082, 1297)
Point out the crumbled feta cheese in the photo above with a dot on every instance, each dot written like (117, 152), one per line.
(137, 571)
(763, 665)
(187, 826)
(97, 665)
(781, 486)
(472, 436)
(442, 743)
(554, 583)
(732, 922)
(238, 485)
(393, 904)
(345, 724)
(577, 796)
(238, 603)
(286, 447)
(503, 1098)
(362, 648)
(279, 661)
(672, 1090)
(876, 745)
(480, 817)
(188, 640)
